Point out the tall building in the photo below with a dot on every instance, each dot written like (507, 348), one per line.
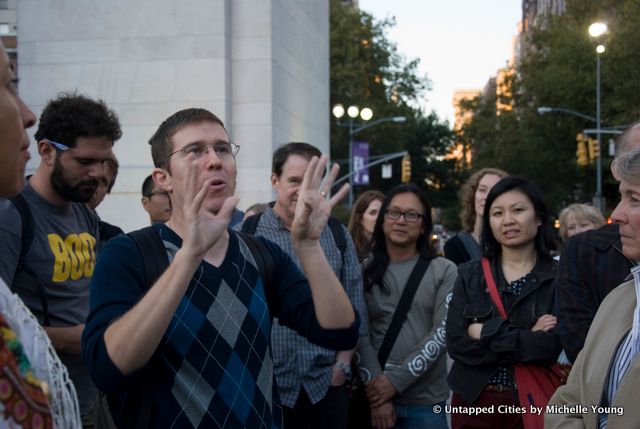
(533, 15)
(533, 12)
(462, 116)
(261, 65)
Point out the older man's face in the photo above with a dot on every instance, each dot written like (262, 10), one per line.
(627, 215)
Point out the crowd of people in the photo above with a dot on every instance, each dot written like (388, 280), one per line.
(284, 317)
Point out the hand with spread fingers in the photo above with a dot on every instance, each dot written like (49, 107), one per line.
(313, 207)
(204, 227)
(330, 301)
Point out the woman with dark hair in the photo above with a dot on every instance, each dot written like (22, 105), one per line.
(466, 245)
(363, 219)
(516, 241)
(405, 371)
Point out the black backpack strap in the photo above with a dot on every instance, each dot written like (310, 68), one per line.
(250, 224)
(400, 315)
(265, 262)
(27, 227)
(27, 235)
(341, 241)
(154, 254)
(470, 245)
(338, 234)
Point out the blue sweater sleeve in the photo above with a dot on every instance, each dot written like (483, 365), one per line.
(116, 286)
(293, 305)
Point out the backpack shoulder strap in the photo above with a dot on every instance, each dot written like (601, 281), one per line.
(338, 234)
(153, 252)
(341, 241)
(27, 228)
(470, 245)
(400, 315)
(27, 234)
(250, 224)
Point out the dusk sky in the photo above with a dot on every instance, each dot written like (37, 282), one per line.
(461, 43)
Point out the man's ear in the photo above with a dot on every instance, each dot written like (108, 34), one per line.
(163, 178)
(274, 181)
(47, 152)
(145, 202)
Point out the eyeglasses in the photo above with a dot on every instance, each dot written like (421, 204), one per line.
(410, 217)
(223, 150)
(159, 193)
(57, 145)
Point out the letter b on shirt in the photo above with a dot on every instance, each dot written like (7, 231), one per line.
(75, 256)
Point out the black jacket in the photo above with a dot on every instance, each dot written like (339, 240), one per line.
(503, 342)
(591, 266)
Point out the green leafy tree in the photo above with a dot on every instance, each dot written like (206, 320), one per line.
(367, 70)
(558, 70)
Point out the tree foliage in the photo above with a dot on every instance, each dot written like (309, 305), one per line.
(559, 70)
(367, 70)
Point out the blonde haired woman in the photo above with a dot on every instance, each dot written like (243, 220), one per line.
(578, 218)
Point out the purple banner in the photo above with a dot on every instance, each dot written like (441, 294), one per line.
(360, 159)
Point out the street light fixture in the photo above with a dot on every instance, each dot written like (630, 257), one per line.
(545, 109)
(354, 128)
(338, 111)
(366, 114)
(353, 112)
(597, 30)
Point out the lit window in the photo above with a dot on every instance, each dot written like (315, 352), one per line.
(5, 29)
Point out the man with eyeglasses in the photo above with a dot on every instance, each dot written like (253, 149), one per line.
(192, 349)
(49, 246)
(312, 380)
(155, 201)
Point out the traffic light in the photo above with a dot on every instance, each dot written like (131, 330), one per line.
(581, 151)
(594, 149)
(406, 168)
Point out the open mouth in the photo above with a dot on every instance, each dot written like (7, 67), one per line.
(217, 184)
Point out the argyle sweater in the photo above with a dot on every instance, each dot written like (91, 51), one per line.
(213, 367)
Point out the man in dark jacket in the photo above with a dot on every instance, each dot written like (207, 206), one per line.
(591, 266)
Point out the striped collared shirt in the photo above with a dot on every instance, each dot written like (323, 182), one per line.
(297, 362)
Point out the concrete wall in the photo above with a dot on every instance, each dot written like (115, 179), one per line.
(261, 65)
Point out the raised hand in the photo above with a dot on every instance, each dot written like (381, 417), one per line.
(203, 226)
(313, 208)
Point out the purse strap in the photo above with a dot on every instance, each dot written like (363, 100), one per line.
(400, 315)
(491, 285)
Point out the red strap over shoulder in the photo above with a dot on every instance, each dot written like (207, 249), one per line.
(491, 285)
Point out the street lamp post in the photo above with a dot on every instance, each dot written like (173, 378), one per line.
(354, 128)
(597, 30)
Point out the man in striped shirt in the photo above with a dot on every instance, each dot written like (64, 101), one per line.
(311, 379)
